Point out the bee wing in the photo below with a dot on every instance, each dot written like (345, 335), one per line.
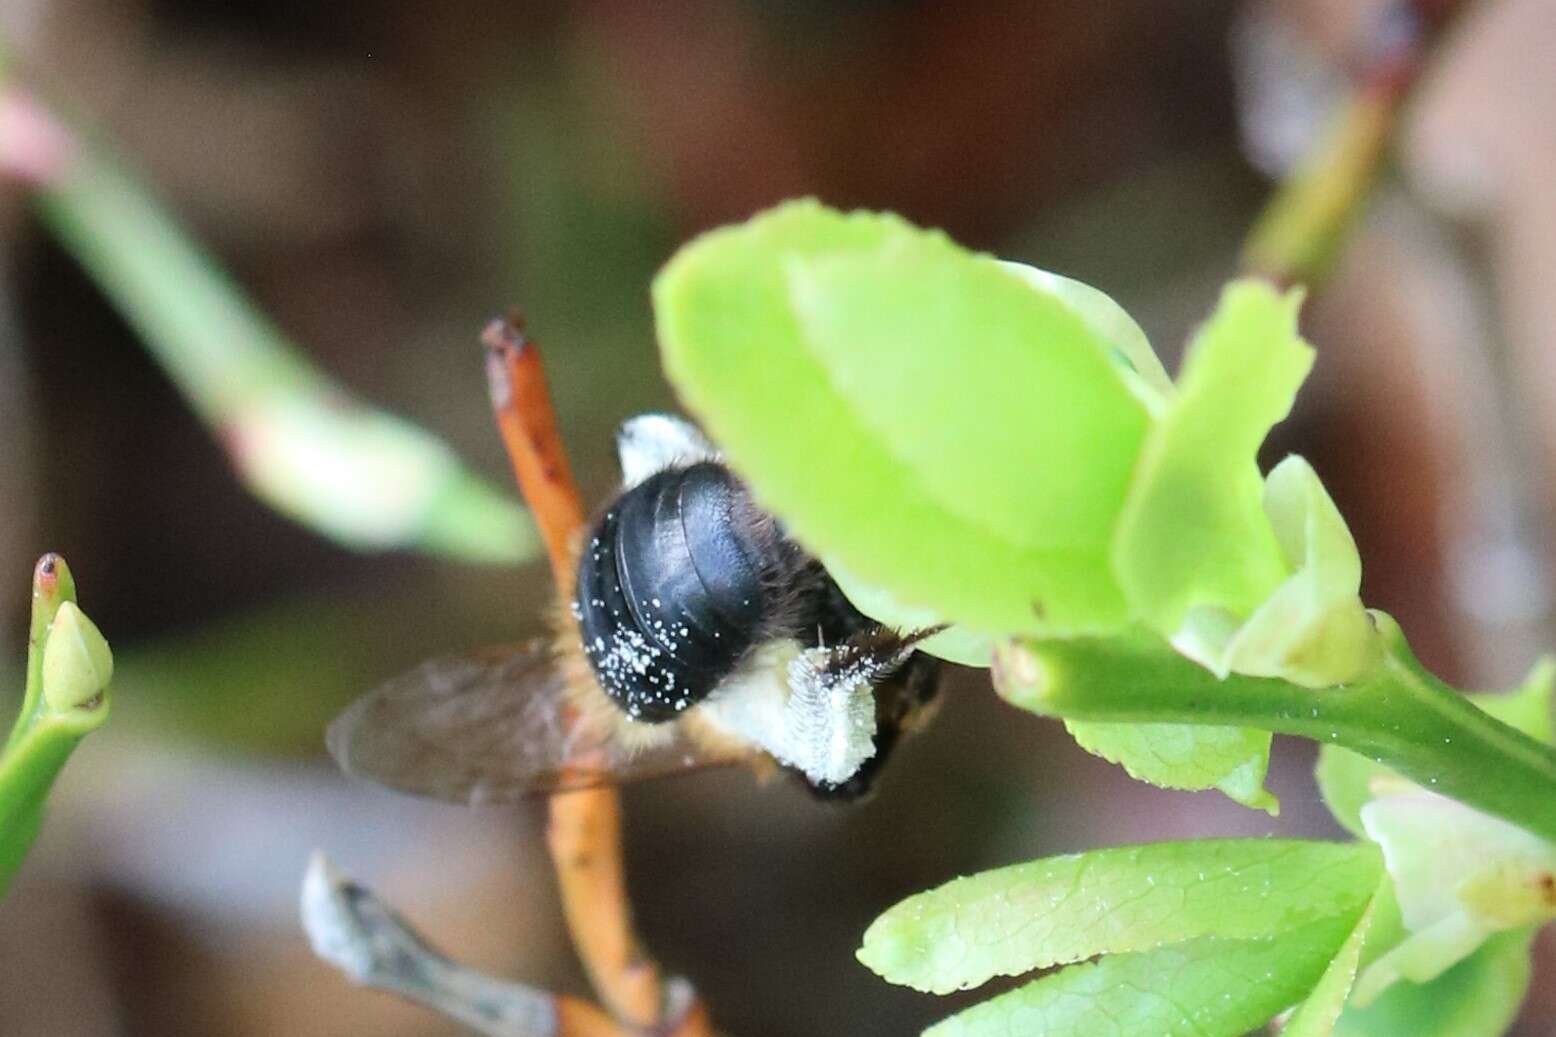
(491, 727)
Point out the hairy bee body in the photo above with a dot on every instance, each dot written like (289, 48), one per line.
(681, 578)
(690, 602)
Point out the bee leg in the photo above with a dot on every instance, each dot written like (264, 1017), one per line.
(870, 655)
(830, 719)
(901, 684)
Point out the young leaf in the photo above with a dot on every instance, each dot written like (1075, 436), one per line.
(1316, 1017)
(1194, 533)
(893, 397)
(1478, 997)
(1203, 988)
(1313, 630)
(1181, 756)
(1065, 909)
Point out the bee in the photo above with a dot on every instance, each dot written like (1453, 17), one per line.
(699, 633)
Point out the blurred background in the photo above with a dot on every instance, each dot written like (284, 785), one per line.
(383, 176)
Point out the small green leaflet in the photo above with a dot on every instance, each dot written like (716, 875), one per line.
(1194, 533)
(1066, 909)
(1203, 988)
(1178, 756)
(1185, 756)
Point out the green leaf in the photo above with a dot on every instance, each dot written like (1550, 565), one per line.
(1194, 533)
(1109, 321)
(1313, 630)
(1203, 988)
(1317, 1016)
(1345, 781)
(1181, 756)
(1065, 909)
(1478, 997)
(957, 644)
(891, 396)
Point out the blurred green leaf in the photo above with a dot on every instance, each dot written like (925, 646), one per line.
(266, 680)
(1065, 909)
(1345, 781)
(1528, 706)
(1203, 988)
(299, 441)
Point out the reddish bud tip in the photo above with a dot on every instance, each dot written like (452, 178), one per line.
(45, 575)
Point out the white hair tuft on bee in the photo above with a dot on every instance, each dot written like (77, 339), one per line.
(651, 443)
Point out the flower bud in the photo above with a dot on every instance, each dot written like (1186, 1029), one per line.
(77, 664)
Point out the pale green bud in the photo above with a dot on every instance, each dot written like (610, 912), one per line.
(77, 664)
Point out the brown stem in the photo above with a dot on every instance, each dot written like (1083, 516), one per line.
(575, 1018)
(1301, 229)
(584, 829)
(527, 422)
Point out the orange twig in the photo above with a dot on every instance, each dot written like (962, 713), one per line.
(527, 422)
(584, 831)
(575, 1018)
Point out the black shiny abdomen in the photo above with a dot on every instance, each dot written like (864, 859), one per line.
(673, 588)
